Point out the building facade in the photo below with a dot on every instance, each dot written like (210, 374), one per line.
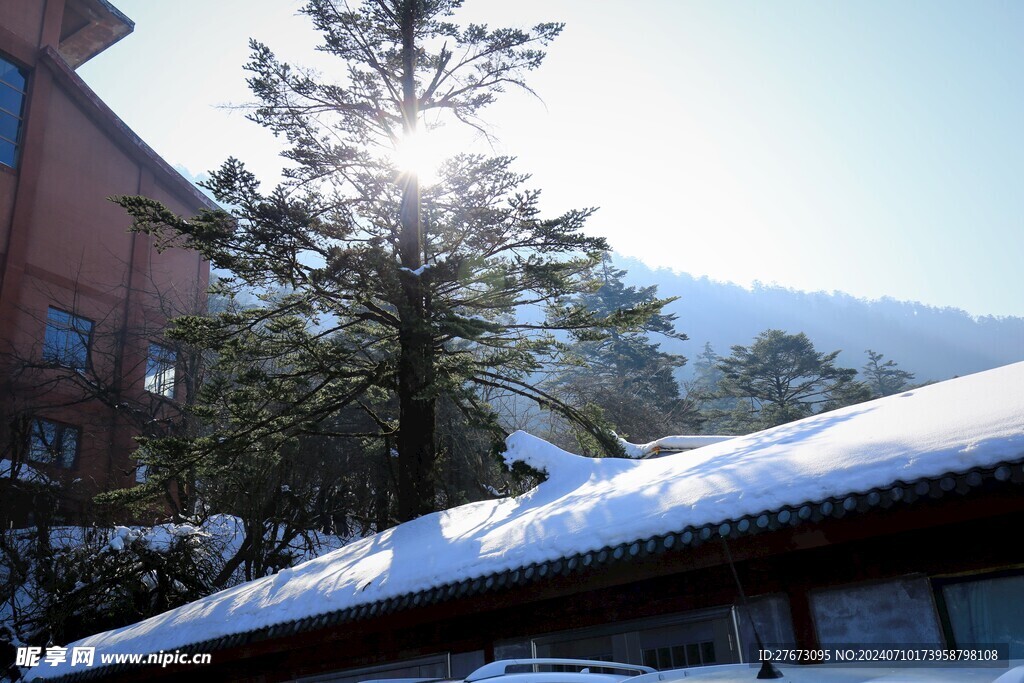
(84, 365)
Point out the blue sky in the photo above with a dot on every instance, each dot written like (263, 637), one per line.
(870, 147)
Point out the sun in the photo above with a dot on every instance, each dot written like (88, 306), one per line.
(419, 154)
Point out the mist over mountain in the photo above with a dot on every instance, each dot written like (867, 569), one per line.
(933, 343)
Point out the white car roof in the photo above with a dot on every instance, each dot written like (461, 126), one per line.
(562, 677)
(512, 670)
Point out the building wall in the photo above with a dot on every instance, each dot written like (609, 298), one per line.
(23, 19)
(8, 183)
(63, 244)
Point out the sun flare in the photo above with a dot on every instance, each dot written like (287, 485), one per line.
(419, 154)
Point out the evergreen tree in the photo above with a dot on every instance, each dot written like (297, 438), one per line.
(781, 378)
(707, 374)
(886, 378)
(721, 413)
(410, 287)
(618, 373)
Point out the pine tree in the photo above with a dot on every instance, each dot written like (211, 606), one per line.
(884, 379)
(410, 288)
(618, 373)
(781, 378)
(721, 413)
(707, 374)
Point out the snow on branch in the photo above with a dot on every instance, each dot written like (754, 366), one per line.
(540, 455)
(670, 444)
(417, 272)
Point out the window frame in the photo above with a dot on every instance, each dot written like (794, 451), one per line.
(940, 582)
(631, 630)
(19, 116)
(375, 671)
(61, 429)
(158, 387)
(60, 358)
(923, 579)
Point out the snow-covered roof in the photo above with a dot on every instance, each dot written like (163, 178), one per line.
(959, 426)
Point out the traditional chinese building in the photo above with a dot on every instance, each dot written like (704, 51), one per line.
(83, 302)
(890, 522)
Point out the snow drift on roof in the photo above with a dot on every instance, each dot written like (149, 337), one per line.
(588, 504)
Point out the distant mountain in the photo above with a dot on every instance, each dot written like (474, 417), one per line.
(934, 343)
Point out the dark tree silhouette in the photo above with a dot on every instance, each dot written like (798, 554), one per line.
(413, 288)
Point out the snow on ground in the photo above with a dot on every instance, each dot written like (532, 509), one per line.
(587, 504)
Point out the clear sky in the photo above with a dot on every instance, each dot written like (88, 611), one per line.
(873, 147)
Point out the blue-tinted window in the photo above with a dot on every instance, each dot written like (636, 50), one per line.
(988, 611)
(10, 100)
(9, 126)
(8, 152)
(13, 80)
(67, 339)
(12, 75)
(160, 370)
(53, 443)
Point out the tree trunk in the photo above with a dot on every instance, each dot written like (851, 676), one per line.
(417, 405)
(383, 483)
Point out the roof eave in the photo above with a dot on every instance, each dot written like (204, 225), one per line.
(104, 26)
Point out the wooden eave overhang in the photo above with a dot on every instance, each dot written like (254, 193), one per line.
(88, 28)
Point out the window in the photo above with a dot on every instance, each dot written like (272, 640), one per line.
(687, 644)
(680, 656)
(434, 666)
(160, 370)
(13, 81)
(898, 611)
(690, 639)
(768, 615)
(53, 443)
(67, 339)
(987, 611)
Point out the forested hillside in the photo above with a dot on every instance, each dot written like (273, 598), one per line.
(933, 343)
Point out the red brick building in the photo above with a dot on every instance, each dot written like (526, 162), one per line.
(82, 300)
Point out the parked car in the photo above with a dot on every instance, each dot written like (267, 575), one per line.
(541, 670)
(554, 670)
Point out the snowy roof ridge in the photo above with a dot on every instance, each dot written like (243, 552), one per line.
(944, 439)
